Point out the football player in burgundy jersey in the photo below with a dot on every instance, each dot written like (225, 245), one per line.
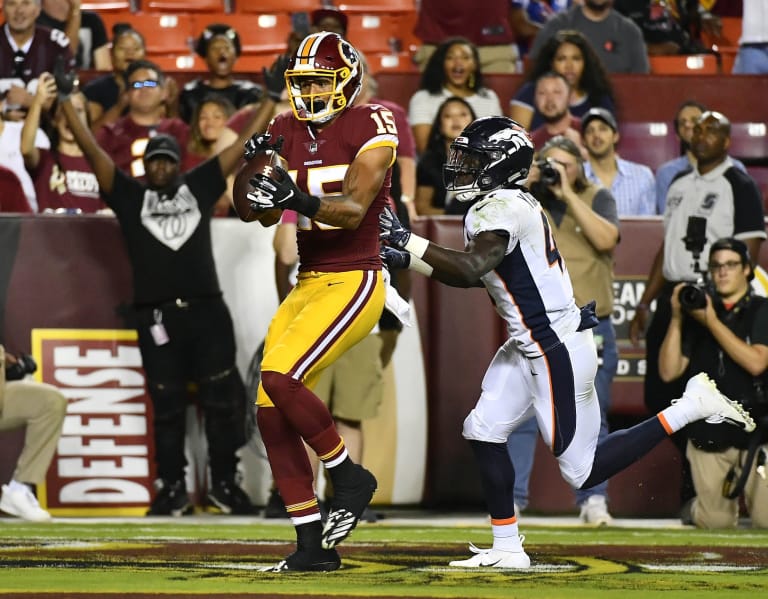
(27, 51)
(548, 364)
(339, 158)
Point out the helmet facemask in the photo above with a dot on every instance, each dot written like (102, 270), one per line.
(323, 56)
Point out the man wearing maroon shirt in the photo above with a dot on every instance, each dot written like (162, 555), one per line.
(26, 51)
(126, 139)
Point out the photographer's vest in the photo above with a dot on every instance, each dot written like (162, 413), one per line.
(591, 271)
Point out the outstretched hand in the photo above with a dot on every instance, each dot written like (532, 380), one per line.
(391, 230)
(65, 80)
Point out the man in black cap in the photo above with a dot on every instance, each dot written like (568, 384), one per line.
(726, 336)
(184, 327)
(631, 184)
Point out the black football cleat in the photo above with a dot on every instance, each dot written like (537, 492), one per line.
(303, 560)
(171, 499)
(350, 498)
(230, 499)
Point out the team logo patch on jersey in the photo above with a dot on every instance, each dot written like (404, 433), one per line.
(171, 220)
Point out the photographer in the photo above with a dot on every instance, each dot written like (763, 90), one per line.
(585, 227)
(727, 338)
(41, 409)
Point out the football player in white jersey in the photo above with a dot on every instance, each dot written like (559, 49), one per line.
(548, 364)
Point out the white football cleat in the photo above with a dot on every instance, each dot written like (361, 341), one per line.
(705, 401)
(494, 558)
(595, 511)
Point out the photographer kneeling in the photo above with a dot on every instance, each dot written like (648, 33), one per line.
(40, 408)
(727, 338)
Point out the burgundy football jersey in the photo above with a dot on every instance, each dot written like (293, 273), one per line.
(125, 141)
(47, 44)
(319, 164)
(66, 182)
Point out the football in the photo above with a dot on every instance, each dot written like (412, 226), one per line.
(264, 164)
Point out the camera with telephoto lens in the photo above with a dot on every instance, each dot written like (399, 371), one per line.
(549, 174)
(693, 296)
(25, 364)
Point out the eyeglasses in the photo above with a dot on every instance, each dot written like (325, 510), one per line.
(729, 266)
(145, 83)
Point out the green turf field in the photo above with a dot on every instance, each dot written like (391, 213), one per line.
(221, 557)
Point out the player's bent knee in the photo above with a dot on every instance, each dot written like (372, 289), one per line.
(476, 429)
(279, 386)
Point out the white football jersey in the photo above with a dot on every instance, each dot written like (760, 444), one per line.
(531, 287)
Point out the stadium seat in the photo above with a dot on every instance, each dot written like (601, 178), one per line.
(171, 63)
(118, 16)
(102, 6)
(649, 143)
(374, 6)
(254, 63)
(259, 33)
(273, 6)
(164, 33)
(388, 62)
(749, 143)
(693, 64)
(184, 6)
(729, 36)
(374, 32)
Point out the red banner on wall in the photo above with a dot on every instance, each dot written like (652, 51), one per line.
(104, 459)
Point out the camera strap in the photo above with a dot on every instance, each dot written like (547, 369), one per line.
(731, 489)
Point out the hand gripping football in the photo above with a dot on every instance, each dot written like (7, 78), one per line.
(263, 163)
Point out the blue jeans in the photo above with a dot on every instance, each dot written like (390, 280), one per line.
(521, 444)
(751, 60)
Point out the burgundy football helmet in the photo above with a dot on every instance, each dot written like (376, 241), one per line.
(324, 56)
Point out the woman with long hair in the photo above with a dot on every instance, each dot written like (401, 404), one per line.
(452, 117)
(452, 70)
(567, 52)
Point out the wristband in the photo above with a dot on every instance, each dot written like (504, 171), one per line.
(405, 198)
(307, 205)
(418, 265)
(417, 245)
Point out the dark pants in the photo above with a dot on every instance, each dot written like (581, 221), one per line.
(201, 355)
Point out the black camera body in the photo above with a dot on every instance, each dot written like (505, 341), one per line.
(693, 296)
(549, 174)
(25, 364)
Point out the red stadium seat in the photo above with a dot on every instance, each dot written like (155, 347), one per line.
(694, 64)
(259, 34)
(164, 33)
(374, 32)
(171, 63)
(749, 142)
(102, 6)
(374, 6)
(254, 63)
(760, 175)
(272, 6)
(388, 62)
(182, 6)
(118, 16)
(649, 143)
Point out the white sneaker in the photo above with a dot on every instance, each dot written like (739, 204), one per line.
(19, 501)
(595, 511)
(706, 402)
(495, 558)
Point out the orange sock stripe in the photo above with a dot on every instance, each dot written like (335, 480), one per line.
(665, 424)
(503, 521)
(333, 453)
(297, 507)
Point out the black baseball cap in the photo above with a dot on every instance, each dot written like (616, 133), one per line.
(163, 145)
(602, 114)
(734, 245)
